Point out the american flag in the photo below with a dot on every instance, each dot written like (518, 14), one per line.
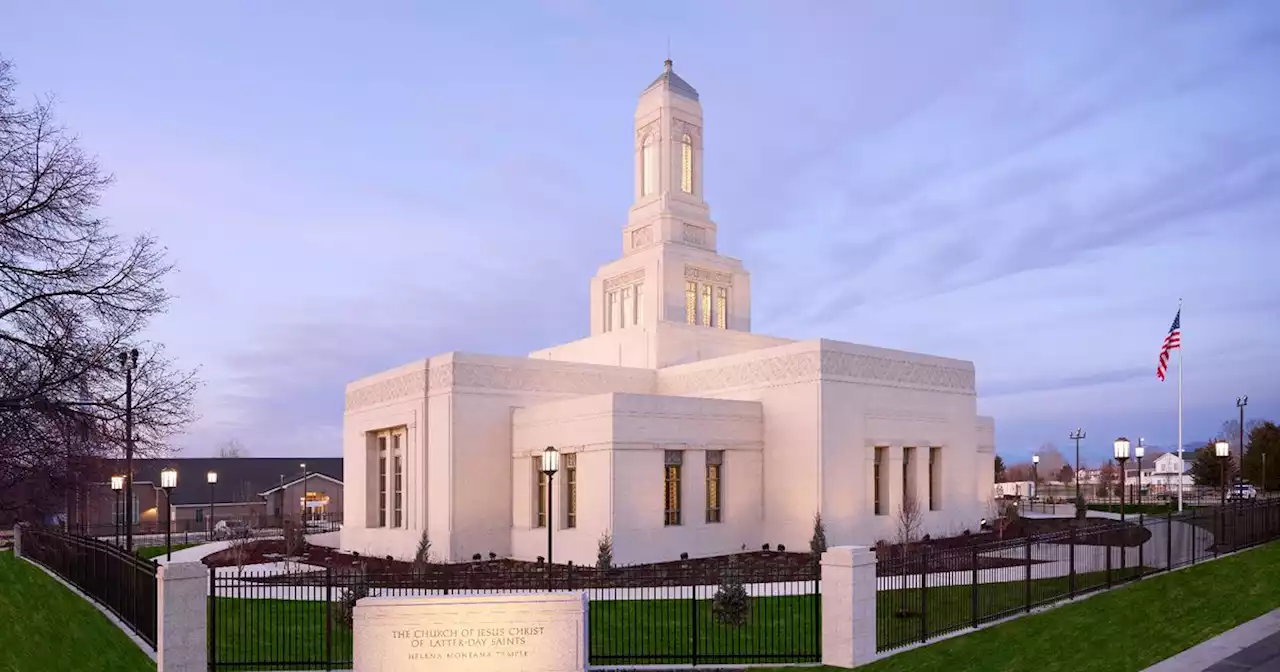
(1173, 340)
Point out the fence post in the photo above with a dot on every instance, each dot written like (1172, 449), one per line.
(1142, 526)
(973, 585)
(848, 606)
(1028, 575)
(328, 618)
(693, 614)
(1168, 533)
(1071, 561)
(924, 595)
(17, 540)
(181, 620)
(213, 619)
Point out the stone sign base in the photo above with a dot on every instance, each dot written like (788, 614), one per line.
(541, 632)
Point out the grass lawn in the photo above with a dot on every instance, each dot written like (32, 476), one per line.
(1171, 612)
(1158, 509)
(152, 552)
(46, 628)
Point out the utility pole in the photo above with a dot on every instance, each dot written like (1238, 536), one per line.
(128, 362)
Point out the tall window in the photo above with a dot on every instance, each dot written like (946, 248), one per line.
(879, 490)
(722, 306)
(398, 462)
(610, 307)
(639, 311)
(908, 455)
(648, 167)
(671, 494)
(691, 302)
(935, 474)
(540, 506)
(715, 463)
(628, 308)
(686, 164)
(382, 480)
(706, 305)
(570, 490)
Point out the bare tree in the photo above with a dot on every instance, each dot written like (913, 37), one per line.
(232, 448)
(73, 296)
(908, 520)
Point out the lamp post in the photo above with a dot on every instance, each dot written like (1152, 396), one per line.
(1223, 450)
(117, 484)
(1241, 402)
(1122, 456)
(1076, 436)
(212, 477)
(1035, 478)
(168, 481)
(1138, 451)
(128, 362)
(303, 512)
(550, 464)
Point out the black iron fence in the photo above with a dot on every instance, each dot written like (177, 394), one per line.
(929, 589)
(762, 610)
(119, 581)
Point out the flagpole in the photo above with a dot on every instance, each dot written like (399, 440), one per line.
(1181, 476)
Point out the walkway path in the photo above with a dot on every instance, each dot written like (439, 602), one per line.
(1253, 646)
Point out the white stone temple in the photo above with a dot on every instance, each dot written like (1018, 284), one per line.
(680, 430)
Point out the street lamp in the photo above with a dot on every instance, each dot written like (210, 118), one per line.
(168, 481)
(550, 464)
(1138, 451)
(1223, 450)
(1122, 456)
(128, 362)
(1241, 402)
(117, 484)
(212, 477)
(303, 512)
(1076, 436)
(1035, 477)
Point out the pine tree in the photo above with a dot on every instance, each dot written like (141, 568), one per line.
(818, 542)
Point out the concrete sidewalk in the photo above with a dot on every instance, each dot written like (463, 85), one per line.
(1253, 646)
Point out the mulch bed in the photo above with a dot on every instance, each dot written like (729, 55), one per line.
(753, 567)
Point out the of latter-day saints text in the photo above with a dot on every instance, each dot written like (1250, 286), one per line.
(446, 643)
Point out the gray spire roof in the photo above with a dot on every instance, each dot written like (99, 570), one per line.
(673, 80)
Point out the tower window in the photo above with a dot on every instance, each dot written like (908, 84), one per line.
(722, 307)
(639, 311)
(628, 308)
(691, 302)
(648, 166)
(706, 305)
(686, 164)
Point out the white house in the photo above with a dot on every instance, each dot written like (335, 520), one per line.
(1161, 472)
(680, 429)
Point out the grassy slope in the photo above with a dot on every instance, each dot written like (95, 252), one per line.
(1166, 614)
(46, 628)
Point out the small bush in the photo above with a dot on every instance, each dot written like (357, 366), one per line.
(765, 547)
(493, 556)
(476, 557)
(731, 605)
(684, 555)
(359, 588)
(604, 551)
(782, 548)
(818, 542)
(541, 559)
(422, 556)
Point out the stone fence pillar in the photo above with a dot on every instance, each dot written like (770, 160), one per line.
(848, 606)
(181, 614)
(17, 540)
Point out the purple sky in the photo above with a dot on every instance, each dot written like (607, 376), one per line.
(1031, 186)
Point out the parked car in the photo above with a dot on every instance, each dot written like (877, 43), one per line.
(1243, 491)
(232, 529)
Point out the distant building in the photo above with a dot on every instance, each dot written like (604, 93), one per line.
(260, 491)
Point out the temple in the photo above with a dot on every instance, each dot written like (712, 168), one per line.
(680, 430)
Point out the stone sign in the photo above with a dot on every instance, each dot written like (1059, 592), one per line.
(540, 632)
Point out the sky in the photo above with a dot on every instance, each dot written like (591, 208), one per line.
(1030, 186)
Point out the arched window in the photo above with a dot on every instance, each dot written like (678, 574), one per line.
(648, 166)
(686, 168)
